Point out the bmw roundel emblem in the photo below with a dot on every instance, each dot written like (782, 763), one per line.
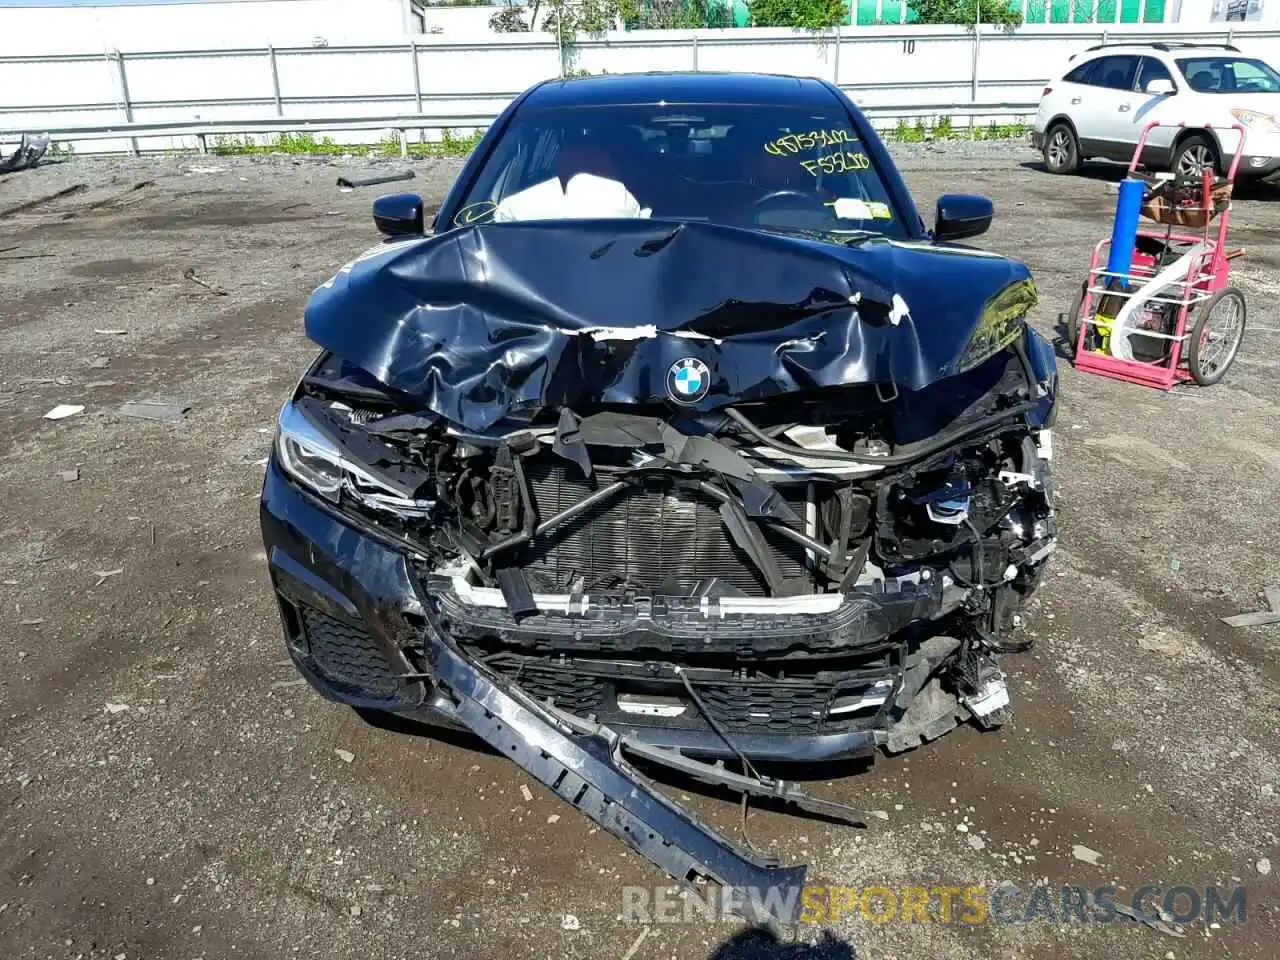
(688, 380)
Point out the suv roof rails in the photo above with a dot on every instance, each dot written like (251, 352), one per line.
(1182, 46)
(1166, 47)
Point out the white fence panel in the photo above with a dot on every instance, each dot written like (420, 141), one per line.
(179, 78)
(911, 69)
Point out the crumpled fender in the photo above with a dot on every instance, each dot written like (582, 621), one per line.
(486, 320)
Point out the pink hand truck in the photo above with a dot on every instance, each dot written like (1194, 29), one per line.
(1174, 317)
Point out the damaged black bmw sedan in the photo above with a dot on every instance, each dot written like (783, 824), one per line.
(676, 438)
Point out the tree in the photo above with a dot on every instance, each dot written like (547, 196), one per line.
(510, 19)
(965, 12)
(799, 14)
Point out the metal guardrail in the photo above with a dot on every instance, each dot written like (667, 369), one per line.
(401, 124)
(201, 130)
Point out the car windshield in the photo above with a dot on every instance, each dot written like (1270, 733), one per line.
(1229, 75)
(784, 168)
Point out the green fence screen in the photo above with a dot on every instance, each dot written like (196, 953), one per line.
(867, 12)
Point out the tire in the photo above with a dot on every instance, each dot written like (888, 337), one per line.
(1208, 366)
(1073, 321)
(1194, 153)
(1061, 150)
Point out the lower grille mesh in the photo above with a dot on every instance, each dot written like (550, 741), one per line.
(347, 654)
(644, 538)
(794, 705)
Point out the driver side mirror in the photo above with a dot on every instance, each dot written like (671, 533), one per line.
(961, 215)
(1160, 87)
(398, 215)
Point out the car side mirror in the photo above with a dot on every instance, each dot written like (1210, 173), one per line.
(961, 215)
(1160, 87)
(398, 215)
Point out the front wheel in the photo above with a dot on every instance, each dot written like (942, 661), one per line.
(1061, 149)
(1193, 156)
(1216, 336)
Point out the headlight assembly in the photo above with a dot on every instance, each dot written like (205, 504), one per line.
(1000, 324)
(316, 462)
(307, 455)
(1258, 122)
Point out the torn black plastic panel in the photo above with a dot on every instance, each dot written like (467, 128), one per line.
(483, 322)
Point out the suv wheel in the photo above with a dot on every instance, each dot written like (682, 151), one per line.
(1061, 149)
(1193, 156)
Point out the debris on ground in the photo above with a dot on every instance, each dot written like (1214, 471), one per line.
(116, 707)
(1263, 866)
(29, 153)
(69, 476)
(1260, 617)
(205, 169)
(1153, 921)
(112, 333)
(635, 944)
(526, 792)
(348, 184)
(553, 818)
(99, 363)
(166, 411)
(346, 756)
(190, 274)
(102, 575)
(570, 922)
(1083, 853)
(64, 410)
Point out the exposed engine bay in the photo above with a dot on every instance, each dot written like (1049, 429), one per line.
(602, 561)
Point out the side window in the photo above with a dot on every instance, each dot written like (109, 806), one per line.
(1249, 77)
(1152, 69)
(1085, 73)
(1117, 73)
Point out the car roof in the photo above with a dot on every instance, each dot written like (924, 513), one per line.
(681, 88)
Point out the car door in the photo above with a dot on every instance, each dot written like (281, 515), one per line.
(1146, 105)
(1075, 96)
(1113, 99)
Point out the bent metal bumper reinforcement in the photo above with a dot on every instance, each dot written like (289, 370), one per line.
(584, 764)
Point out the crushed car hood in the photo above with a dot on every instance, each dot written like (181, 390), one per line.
(484, 321)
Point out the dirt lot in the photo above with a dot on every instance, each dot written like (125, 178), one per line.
(169, 789)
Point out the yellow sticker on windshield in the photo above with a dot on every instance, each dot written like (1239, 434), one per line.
(880, 211)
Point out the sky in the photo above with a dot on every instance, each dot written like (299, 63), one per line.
(89, 3)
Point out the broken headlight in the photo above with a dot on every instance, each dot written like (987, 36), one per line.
(316, 462)
(1000, 324)
(307, 455)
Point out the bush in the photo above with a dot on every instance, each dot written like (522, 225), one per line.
(799, 14)
(964, 12)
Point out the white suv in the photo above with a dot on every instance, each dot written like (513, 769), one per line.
(1107, 95)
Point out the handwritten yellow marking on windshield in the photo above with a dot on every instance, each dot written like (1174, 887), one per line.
(842, 162)
(793, 143)
(475, 213)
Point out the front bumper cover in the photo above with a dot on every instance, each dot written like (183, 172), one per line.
(324, 562)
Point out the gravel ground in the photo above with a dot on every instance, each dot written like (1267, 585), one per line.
(169, 789)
